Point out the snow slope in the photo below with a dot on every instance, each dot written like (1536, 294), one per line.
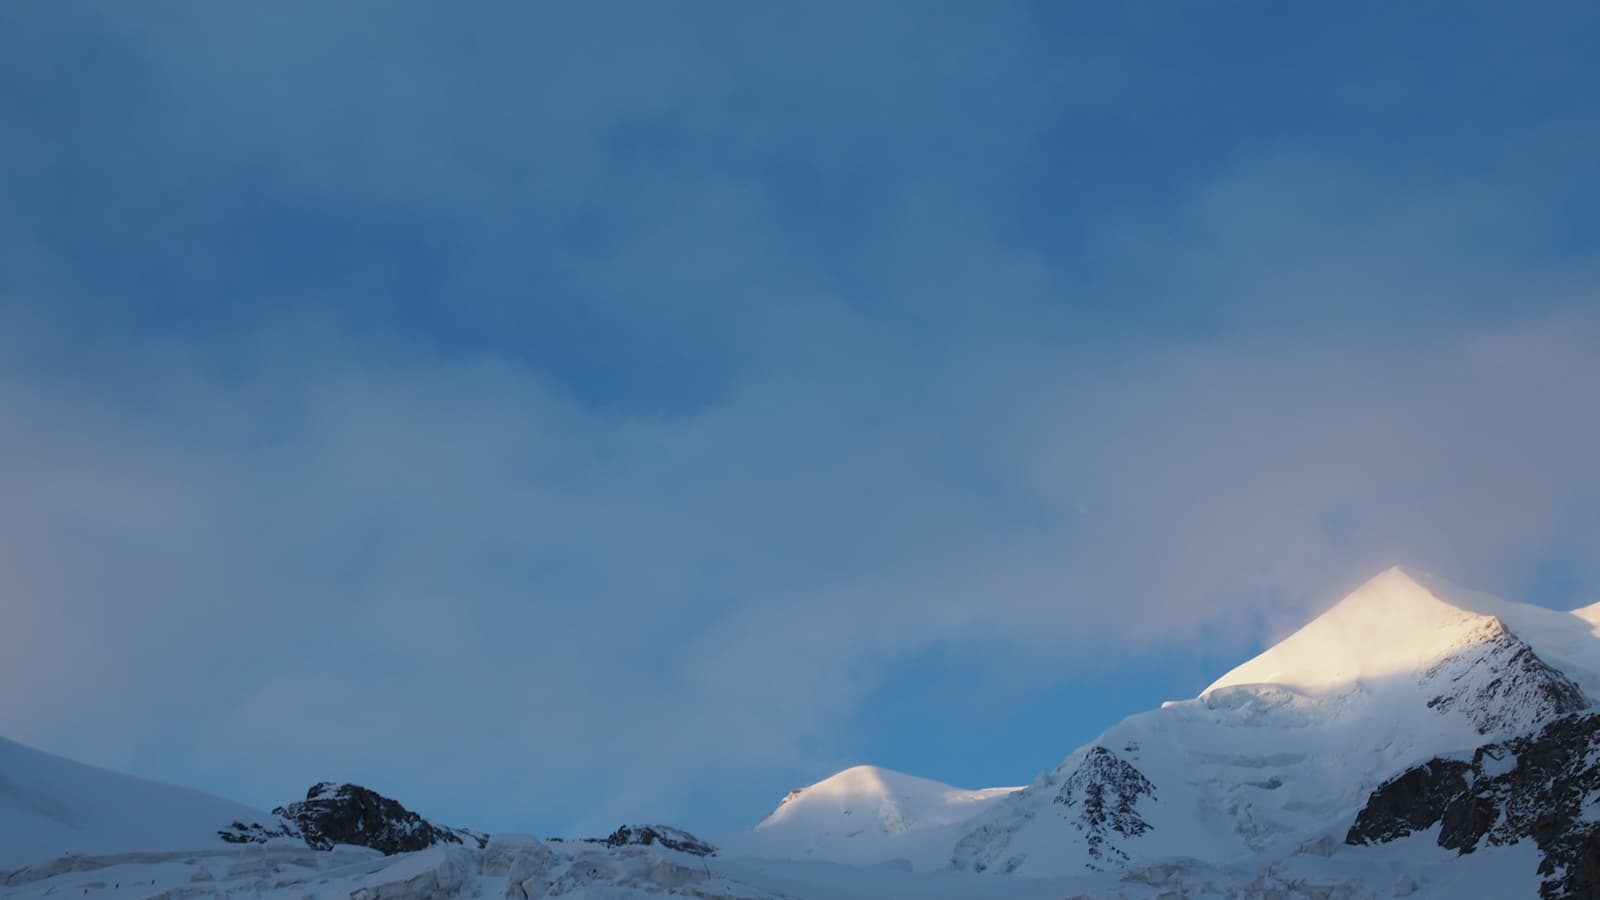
(50, 806)
(867, 814)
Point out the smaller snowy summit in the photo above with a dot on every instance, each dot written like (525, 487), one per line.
(867, 813)
(869, 798)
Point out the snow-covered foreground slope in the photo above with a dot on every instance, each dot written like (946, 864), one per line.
(50, 806)
(867, 814)
(522, 868)
(514, 866)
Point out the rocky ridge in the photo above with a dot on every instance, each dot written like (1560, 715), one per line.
(1103, 794)
(1098, 795)
(351, 814)
(666, 836)
(1543, 787)
(1500, 683)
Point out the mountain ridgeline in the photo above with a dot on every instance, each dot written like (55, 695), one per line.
(1414, 740)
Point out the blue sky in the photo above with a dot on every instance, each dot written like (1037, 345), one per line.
(552, 417)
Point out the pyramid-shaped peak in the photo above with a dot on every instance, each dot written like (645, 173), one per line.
(1399, 591)
(1395, 578)
(1405, 581)
(1393, 623)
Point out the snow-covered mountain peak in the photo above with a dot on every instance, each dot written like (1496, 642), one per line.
(894, 801)
(868, 814)
(1393, 624)
(1403, 668)
(854, 783)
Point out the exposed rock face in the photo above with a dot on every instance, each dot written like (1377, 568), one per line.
(1517, 690)
(350, 814)
(670, 838)
(1540, 787)
(257, 833)
(1098, 795)
(1105, 791)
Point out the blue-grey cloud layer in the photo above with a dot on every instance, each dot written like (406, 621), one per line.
(556, 415)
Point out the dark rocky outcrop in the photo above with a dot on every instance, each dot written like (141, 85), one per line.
(1410, 802)
(670, 838)
(350, 814)
(1537, 787)
(1105, 791)
(1094, 790)
(257, 833)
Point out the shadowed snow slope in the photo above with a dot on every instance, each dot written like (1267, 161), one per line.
(51, 806)
(869, 814)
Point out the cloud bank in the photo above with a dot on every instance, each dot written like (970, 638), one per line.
(552, 419)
